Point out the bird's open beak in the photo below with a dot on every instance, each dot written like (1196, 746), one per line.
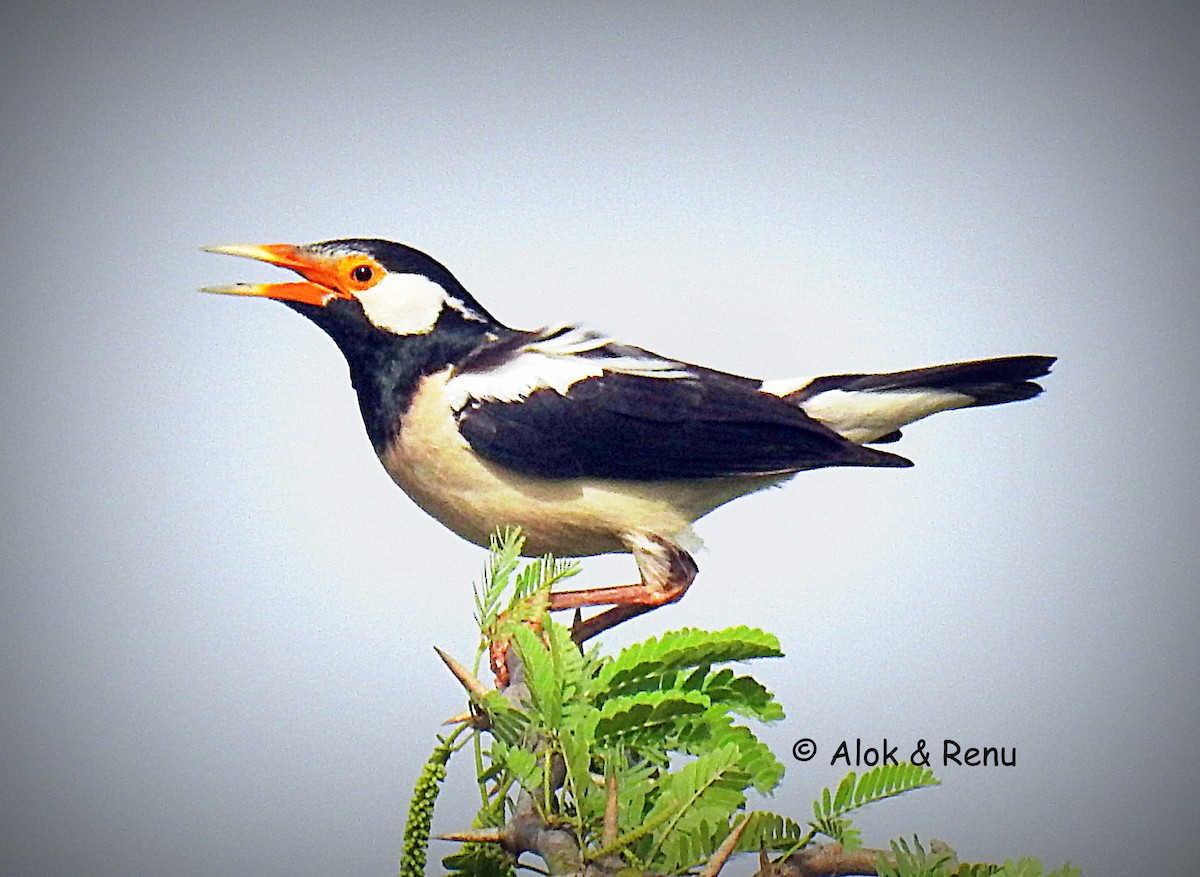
(321, 285)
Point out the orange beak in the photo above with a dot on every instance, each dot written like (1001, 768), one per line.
(319, 271)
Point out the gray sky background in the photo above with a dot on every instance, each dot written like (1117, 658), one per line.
(217, 611)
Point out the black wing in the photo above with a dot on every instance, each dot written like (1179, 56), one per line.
(639, 427)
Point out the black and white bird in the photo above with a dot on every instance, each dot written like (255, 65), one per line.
(589, 445)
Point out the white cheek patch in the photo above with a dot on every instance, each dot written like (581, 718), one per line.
(406, 304)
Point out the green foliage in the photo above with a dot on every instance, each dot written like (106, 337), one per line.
(913, 860)
(646, 713)
(855, 790)
(654, 737)
(479, 860)
(517, 594)
(769, 832)
(693, 806)
(661, 718)
(885, 781)
(1016, 868)
(656, 662)
(420, 808)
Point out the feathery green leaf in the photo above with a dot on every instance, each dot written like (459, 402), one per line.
(503, 557)
(699, 800)
(479, 860)
(645, 710)
(715, 729)
(884, 781)
(914, 861)
(545, 685)
(743, 695)
(768, 831)
(682, 649)
(507, 722)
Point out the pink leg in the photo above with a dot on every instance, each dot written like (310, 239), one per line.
(667, 572)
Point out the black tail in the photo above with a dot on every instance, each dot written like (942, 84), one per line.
(872, 414)
(988, 381)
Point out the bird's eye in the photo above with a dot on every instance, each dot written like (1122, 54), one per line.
(359, 272)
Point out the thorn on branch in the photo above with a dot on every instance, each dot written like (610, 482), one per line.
(609, 836)
(475, 835)
(474, 687)
(724, 851)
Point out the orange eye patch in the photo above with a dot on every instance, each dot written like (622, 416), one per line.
(358, 272)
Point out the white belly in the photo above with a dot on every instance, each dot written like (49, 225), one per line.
(567, 517)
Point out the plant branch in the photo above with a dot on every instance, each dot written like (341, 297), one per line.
(827, 861)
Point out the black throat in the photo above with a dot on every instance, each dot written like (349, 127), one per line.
(385, 368)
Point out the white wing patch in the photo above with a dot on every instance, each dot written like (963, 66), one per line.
(865, 415)
(557, 362)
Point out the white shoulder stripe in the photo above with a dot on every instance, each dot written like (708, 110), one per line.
(557, 361)
(784, 386)
(565, 340)
(571, 341)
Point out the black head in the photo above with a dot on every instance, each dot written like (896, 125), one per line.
(396, 313)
